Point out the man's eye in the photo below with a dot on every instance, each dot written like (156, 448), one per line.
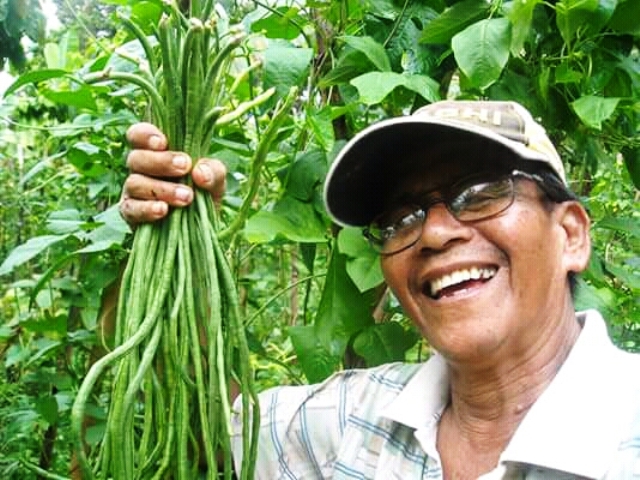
(479, 197)
(404, 219)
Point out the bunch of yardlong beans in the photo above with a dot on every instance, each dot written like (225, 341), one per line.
(179, 338)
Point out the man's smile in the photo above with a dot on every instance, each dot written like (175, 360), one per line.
(451, 282)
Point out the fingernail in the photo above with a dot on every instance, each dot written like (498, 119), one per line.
(206, 172)
(159, 208)
(183, 194)
(155, 142)
(180, 161)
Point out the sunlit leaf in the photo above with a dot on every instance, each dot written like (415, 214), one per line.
(373, 50)
(482, 50)
(373, 87)
(25, 252)
(453, 20)
(384, 343)
(594, 110)
(363, 264)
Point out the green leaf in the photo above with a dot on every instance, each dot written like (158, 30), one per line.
(602, 299)
(453, 20)
(284, 22)
(593, 110)
(80, 97)
(373, 50)
(53, 327)
(363, 264)
(320, 124)
(625, 18)
(299, 223)
(520, 16)
(482, 50)
(373, 87)
(572, 15)
(304, 177)
(565, 74)
(314, 358)
(35, 77)
(630, 225)
(25, 252)
(111, 218)
(286, 66)
(629, 277)
(64, 221)
(89, 159)
(384, 343)
(343, 309)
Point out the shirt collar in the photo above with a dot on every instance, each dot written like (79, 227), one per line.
(572, 427)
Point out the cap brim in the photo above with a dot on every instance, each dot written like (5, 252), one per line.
(362, 172)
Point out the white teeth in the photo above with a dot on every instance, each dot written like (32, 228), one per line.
(459, 276)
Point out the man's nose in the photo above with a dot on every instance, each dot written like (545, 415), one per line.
(441, 227)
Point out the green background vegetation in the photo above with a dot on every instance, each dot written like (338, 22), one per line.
(312, 295)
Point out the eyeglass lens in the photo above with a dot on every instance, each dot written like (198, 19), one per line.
(469, 201)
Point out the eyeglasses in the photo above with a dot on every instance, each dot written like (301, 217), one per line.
(472, 199)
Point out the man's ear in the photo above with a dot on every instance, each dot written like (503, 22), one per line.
(576, 224)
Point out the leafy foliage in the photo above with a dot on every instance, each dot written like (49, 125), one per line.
(313, 296)
(18, 18)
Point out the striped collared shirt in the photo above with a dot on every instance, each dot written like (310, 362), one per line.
(381, 423)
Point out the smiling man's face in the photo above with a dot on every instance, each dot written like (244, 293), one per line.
(492, 286)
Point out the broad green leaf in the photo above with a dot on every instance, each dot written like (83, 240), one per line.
(25, 252)
(350, 64)
(625, 18)
(602, 299)
(593, 110)
(286, 66)
(80, 97)
(52, 327)
(300, 224)
(111, 218)
(316, 361)
(35, 77)
(64, 221)
(103, 238)
(52, 56)
(363, 264)
(373, 50)
(284, 22)
(453, 20)
(384, 343)
(629, 277)
(630, 225)
(482, 50)
(520, 15)
(45, 346)
(146, 13)
(320, 124)
(15, 355)
(565, 74)
(343, 309)
(89, 159)
(304, 177)
(572, 15)
(95, 433)
(374, 87)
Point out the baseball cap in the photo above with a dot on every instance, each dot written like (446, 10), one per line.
(365, 166)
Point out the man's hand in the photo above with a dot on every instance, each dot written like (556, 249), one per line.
(148, 190)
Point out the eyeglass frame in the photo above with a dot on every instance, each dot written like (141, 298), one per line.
(447, 200)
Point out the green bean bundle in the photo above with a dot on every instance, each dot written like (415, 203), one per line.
(179, 337)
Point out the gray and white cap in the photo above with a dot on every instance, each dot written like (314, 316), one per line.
(363, 166)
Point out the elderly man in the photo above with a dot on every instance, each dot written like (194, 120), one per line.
(480, 240)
